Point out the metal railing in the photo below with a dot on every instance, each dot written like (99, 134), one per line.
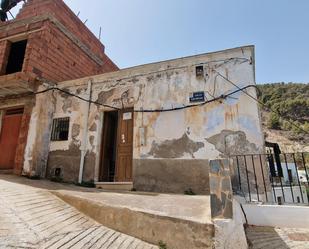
(272, 178)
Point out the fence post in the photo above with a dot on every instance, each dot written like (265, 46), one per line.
(221, 194)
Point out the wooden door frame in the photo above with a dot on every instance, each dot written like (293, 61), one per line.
(99, 164)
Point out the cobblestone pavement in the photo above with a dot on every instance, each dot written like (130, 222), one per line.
(35, 218)
(277, 238)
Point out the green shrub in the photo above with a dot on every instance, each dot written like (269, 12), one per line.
(189, 191)
(274, 122)
(162, 245)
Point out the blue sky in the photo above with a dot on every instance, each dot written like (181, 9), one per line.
(143, 31)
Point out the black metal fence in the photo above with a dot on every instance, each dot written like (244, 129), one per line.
(272, 178)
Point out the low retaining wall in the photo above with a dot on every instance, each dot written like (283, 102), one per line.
(277, 216)
(176, 233)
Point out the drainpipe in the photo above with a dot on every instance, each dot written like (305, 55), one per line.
(85, 134)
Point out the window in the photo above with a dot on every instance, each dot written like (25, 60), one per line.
(60, 129)
(16, 57)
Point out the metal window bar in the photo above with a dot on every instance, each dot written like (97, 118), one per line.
(60, 129)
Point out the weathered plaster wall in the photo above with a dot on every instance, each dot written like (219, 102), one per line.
(36, 152)
(177, 145)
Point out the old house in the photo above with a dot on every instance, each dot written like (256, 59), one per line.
(45, 43)
(153, 127)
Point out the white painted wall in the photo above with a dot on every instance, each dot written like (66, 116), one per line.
(277, 216)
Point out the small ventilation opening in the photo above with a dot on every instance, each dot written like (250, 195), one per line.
(199, 70)
(16, 57)
(57, 172)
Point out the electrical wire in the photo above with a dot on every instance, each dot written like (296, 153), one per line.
(221, 97)
(76, 96)
(260, 102)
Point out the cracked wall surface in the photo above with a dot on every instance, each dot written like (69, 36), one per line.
(177, 145)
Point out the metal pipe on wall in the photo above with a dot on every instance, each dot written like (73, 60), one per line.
(85, 134)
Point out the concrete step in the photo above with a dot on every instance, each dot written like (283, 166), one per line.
(115, 186)
(180, 222)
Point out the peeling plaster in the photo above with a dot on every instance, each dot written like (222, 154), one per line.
(233, 143)
(204, 132)
(175, 148)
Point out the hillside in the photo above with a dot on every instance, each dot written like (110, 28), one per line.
(289, 125)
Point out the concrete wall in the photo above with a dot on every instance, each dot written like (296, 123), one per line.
(173, 153)
(277, 216)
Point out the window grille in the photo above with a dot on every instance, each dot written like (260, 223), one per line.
(60, 129)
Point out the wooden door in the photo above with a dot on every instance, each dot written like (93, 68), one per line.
(124, 146)
(9, 139)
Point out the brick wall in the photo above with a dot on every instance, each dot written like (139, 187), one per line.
(52, 55)
(51, 52)
(66, 16)
(4, 54)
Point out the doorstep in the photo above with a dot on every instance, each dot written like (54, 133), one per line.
(115, 186)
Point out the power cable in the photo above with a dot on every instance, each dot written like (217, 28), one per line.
(76, 96)
(221, 97)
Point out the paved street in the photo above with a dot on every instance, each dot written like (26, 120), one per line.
(35, 218)
(277, 238)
